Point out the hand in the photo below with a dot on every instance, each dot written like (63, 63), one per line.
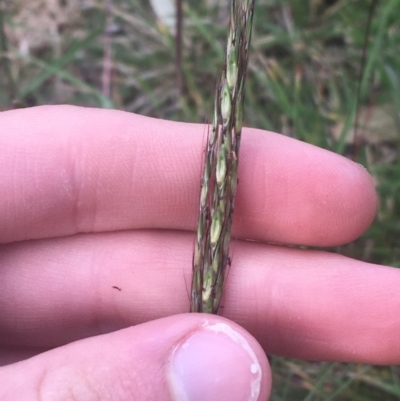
(97, 212)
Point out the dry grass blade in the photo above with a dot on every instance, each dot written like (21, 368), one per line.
(219, 181)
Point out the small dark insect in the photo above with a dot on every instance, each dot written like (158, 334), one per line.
(116, 288)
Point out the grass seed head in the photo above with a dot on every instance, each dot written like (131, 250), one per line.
(219, 182)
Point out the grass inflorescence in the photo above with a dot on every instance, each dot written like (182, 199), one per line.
(219, 181)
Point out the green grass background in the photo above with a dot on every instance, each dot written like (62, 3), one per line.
(303, 81)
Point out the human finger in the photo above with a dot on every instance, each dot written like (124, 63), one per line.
(180, 358)
(297, 303)
(67, 170)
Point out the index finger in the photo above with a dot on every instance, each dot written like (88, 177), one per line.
(67, 170)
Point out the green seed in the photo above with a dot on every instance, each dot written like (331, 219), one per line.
(226, 104)
(216, 227)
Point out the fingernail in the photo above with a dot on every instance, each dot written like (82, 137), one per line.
(215, 363)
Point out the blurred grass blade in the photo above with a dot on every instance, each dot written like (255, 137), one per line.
(50, 69)
(59, 64)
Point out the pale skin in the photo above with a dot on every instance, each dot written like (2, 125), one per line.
(110, 200)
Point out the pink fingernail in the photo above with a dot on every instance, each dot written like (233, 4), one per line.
(215, 363)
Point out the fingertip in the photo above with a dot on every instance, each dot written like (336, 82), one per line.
(219, 362)
(359, 201)
(351, 206)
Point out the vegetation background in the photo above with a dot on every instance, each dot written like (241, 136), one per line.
(304, 81)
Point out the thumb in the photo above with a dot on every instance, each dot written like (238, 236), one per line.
(180, 358)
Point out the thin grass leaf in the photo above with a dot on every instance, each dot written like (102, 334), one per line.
(59, 64)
